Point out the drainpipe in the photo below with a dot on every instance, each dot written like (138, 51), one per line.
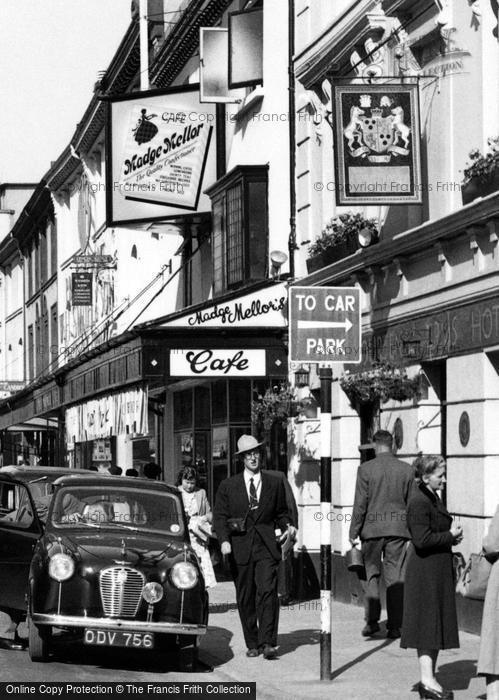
(292, 139)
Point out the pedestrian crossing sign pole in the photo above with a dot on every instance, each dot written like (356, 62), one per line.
(324, 328)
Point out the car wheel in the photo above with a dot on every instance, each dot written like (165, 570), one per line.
(187, 653)
(38, 641)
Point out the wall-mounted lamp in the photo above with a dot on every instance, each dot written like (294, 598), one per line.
(302, 375)
(277, 258)
(365, 237)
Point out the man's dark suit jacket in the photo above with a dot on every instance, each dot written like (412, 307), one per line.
(382, 491)
(232, 502)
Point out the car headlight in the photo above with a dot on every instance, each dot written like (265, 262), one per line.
(184, 575)
(152, 592)
(61, 567)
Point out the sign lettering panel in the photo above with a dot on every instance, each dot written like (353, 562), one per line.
(217, 363)
(324, 324)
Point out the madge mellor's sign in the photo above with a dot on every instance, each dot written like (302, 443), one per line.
(266, 307)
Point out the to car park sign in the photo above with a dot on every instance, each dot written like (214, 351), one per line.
(324, 324)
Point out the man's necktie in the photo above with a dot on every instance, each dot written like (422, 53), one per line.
(253, 498)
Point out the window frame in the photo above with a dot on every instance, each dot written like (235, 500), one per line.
(243, 176)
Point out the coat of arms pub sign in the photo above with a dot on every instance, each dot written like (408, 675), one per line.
(377, 140)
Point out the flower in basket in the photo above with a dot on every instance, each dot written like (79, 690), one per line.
(344, 228)
(483, 166)
(275, 406)
(380, 384)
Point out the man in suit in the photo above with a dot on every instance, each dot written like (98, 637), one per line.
(257, 499)
(379, 519)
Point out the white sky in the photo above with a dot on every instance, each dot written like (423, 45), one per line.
(50, 53)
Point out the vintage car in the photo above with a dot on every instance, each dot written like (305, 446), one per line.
(40, 480)
(112, 565)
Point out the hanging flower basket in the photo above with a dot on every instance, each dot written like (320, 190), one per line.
(274, 407)
(380, 384)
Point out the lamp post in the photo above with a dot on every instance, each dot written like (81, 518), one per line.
(326, 377)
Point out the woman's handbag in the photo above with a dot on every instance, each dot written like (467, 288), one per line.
(473, 578)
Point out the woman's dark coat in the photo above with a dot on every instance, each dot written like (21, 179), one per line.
(430, 620)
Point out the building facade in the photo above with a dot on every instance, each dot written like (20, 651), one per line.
(152, 337)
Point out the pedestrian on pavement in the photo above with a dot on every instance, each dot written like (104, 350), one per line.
(249, 506)
(430, 620)
(382, 491)
(488, 660)
(200, 517)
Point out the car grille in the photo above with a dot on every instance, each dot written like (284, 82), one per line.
(120, 591)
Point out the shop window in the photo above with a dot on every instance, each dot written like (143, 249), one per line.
(202, 417)
(239, 401)
(219, 401)
(182, 409)
(240, 222)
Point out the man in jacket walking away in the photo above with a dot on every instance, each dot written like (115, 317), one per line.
(379, 519)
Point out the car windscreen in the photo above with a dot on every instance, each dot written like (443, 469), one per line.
(115, 507)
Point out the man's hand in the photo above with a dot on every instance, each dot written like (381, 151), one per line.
(291, 531)
(457, 533)
(354, 542)
(225, 548)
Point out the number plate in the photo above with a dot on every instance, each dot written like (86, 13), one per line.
(117, 638)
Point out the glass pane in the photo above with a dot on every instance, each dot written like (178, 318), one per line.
(219, 455)
(218, 247)
(183, 451)
(239, 401)
(202, 407)
(201, 457)
(214, 78)
(257, 229)
(219, 401)
(182, 409)
(235, 265)
(246, 48)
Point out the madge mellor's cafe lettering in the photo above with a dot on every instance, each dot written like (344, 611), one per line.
(266, 307)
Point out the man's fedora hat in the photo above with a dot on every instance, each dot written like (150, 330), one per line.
(247, 443)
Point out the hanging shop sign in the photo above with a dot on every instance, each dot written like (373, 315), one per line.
(113, 414)
(81, 288)
(162, 155)
(266, 307)
(377, 144)
(217, 363)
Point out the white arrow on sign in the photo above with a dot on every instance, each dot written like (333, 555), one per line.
(346, 324)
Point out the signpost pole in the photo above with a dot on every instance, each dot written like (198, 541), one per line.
(326, 376)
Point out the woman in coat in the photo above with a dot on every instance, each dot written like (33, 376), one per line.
(488, 660)
(430, 620)
(199, 515)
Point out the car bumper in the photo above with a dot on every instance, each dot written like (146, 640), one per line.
(105, 623)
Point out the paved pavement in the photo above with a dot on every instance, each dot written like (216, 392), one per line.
(362, 669)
